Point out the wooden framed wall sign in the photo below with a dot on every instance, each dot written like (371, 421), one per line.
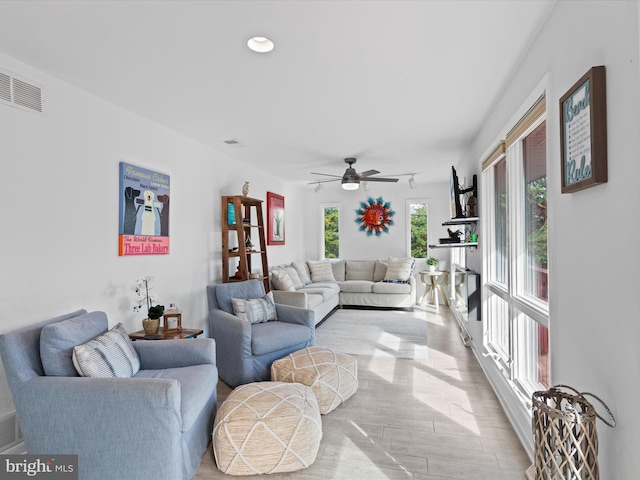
(583, 132)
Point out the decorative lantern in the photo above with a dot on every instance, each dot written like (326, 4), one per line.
(172, 320)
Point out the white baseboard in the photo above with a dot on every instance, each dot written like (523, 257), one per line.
(10, 435)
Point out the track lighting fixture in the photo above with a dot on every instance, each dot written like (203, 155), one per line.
(412, 182)
(318, 187)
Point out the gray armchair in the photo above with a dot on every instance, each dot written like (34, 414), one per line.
(246, 351)
(155, 425)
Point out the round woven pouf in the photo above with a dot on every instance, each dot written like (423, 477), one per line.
(267, 427)
(332, 376)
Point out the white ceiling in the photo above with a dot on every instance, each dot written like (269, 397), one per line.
(402, 85)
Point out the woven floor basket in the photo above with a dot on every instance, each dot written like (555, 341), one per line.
(566, 441)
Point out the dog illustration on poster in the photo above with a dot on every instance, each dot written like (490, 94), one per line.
(144, 211)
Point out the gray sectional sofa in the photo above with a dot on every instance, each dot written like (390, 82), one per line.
(365, 283)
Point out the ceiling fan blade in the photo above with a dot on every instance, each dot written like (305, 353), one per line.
(324, 181)
(326, 174)
(376, 179)
(368, 173)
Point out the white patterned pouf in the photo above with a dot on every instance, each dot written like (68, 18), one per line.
(332, 376)
(267, 427)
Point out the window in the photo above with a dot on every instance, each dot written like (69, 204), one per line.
(517, 313)
(330, 238)
(418, 229)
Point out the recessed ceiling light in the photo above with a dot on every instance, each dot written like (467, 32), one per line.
(260, 44)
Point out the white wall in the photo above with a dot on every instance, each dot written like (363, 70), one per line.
(357, 245)
(58, 247)
(593, 303)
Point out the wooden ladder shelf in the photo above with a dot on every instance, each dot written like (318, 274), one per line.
(237, 240)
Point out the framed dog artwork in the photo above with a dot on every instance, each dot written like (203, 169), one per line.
(144, 211)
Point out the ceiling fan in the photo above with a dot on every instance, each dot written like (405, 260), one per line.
(351, 179)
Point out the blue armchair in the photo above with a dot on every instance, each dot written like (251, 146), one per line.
(246, 351)
(155, 425)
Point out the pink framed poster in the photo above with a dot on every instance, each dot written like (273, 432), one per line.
(275, 219)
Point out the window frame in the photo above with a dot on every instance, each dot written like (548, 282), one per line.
(407, 230)
(519, 304)
(323, 207)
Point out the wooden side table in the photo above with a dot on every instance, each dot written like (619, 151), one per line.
(185, 333)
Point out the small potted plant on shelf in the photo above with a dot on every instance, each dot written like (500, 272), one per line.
(432, 263)
(143, 287)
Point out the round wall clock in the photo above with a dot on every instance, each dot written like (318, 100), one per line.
(374, 216)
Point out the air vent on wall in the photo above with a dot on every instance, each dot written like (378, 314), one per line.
(20, 93)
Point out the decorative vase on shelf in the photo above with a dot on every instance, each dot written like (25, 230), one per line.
(432, 268)
(151, 326)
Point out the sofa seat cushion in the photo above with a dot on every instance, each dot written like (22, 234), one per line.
(356, 286)
(384, 287)
(197, 384)
(58, 339)
(360, 269)
(333, 286)
(272, 336)
(325, 293)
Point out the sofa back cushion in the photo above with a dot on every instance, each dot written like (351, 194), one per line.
(360, 269)
(293, 275)
(380, 271)
(338, 268)
(58, 339)
(303, 272)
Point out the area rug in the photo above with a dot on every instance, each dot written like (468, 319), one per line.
(390, 333)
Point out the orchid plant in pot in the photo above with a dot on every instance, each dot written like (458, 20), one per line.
(143, 287)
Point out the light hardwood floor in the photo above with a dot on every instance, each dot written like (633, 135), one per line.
(433, 419)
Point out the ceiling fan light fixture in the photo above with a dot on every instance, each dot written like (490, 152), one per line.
(350, 185)
(260, 44)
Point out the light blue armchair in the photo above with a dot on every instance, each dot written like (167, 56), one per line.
(246, 351)
(156, 425)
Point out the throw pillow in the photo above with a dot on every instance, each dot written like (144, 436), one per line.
(321, 271)
(399, 269)
(295, 278)
(281, 280)
(255, 310)
(108, 355)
